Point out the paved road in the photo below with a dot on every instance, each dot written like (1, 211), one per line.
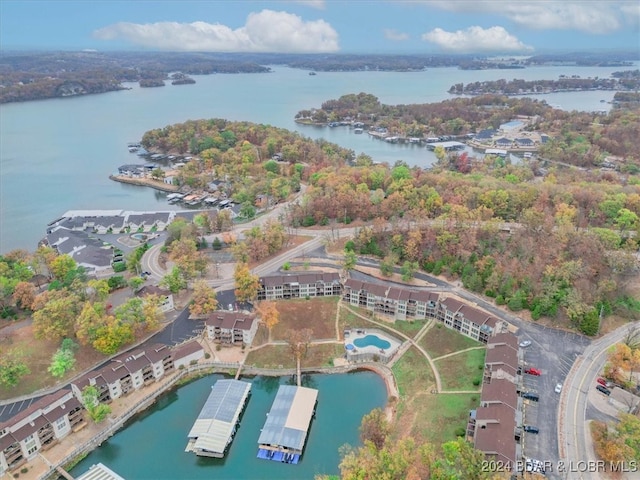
(573, 431)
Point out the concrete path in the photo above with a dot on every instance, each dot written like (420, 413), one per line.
(412, 341)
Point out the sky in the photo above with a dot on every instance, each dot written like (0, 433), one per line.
(515, 27)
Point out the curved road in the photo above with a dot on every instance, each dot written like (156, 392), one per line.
(573, 430)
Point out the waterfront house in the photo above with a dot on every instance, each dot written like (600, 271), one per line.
(503, 142)
(127, 372)
(166, 297)
(495, 433)
(524, 142)
(146, 222)
(38, 428)
(109, 224)
(231, 328)
(501, 361)
(186, 354)
(303, 285)
(399, 303)
(87, 251)
(486, 134)
(469, 321)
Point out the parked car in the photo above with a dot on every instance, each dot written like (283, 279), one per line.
(558, 388)
(530, 396)
(604, 390)
(533, 371)
(601, 381)
(531, 429)
(525, 343)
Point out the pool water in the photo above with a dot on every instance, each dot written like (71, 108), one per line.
(140, 236)
(511, 124)
(371, 340)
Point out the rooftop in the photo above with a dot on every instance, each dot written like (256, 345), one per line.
(289, 418)
(215, 425)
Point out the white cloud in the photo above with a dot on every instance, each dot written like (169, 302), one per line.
(476, 39)
(266, 31)
(589, 16)
(391, 34)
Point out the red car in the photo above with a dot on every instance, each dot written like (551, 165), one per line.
(601, 381)
(533, 371)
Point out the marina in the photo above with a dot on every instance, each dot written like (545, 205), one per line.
(284, 434)
(213, 430)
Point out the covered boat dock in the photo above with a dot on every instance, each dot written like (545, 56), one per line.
(216, 424)
(285, 432)
(448, 146)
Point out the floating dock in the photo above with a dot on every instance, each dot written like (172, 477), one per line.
(285, 432)
(216, 424)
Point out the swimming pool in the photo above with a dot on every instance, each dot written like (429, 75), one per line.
(371, 340)
(511, 124)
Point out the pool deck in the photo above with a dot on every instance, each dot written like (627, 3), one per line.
(359, 333)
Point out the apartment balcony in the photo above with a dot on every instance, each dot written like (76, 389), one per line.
(46, 435)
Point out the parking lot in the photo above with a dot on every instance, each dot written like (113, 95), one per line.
(553, 353)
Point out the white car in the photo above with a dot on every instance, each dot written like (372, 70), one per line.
(525, 343)
(558, 388)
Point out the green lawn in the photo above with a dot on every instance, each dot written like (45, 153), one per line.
(458, 372)
(349, 320)
(413, 374)
(440, 340)
(442, 415)
(279, 356)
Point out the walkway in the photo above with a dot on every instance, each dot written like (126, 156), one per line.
(411, 341)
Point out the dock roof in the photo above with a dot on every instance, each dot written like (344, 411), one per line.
(216, 422)
(99, 472)
(289, 418)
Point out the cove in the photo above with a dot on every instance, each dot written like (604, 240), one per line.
(152, 445)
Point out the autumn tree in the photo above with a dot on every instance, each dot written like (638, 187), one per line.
(112, 335)
(24, 295)
(247, 284)
(298, 342)
(622, 360)
(204, 299)
(269, 314)
(91, 317)
(151, 312)
(184, 253)
(374, 428)
(55, 319)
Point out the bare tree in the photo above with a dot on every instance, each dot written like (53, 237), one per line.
(298, 341)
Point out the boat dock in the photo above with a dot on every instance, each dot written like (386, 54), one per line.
(285, 432)
(216, 424)
(448, 146)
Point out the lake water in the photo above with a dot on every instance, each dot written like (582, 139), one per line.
(152, 446)
(56, 155)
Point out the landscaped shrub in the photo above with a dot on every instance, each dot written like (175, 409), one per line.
(207, 355)
(477, 381)
(286, 266)
(460, 432)
(116, 282)
(119, 267)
